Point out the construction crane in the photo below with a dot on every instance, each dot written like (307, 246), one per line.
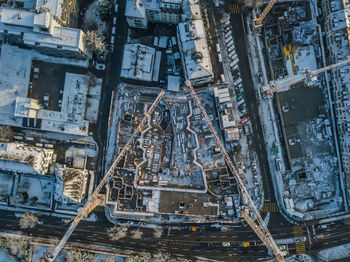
(95, 198)
(262, 231)
(307, 74)
(258, 22)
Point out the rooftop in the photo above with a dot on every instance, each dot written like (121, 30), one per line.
(140, 62)
(194, 48)
(38, 158)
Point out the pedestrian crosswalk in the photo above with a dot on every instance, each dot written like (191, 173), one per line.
(234, 9)
(300, 246)
(269, 207)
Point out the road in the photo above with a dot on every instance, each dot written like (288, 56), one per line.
(111, 82)
(206, 242)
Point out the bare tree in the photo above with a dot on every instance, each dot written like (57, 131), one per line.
(116, 233)
(5, 132)
(95, 42)
(136, 234)
(105, 9)
(29, 220)
(17, 249)
(74, 255)
(157, 233)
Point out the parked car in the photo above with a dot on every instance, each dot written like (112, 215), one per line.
(100, 66)
(240, 97)
(245, 120)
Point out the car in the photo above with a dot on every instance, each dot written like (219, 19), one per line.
(223, 229)
(226, 244)
(65, 220)
(245, 120)
(116, 8)
(240, 97)
(40, 222)
(253, 165)
(124, 229)
(114, 20)
(100, 66)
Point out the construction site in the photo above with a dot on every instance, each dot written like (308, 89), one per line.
(305, 150)
(173, 167)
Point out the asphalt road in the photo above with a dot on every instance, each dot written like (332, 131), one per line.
(206, 242)
(111, 82)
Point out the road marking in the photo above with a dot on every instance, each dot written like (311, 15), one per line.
(269, 207)
(300, 246)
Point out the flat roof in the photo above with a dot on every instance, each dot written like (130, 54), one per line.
(183, 203)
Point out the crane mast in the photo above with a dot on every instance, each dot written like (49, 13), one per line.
(94, 198)
(307, 74)
(258, 22)
(263, 232)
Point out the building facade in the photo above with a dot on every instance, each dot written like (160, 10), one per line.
(336, 15)
(139, 13)
(39, 29)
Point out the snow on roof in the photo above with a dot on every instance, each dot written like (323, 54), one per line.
(303, 58)
(194, 47)
(14, 80)
(16, 166)
(26, 107)
(42, 19)
(174, 83)
(163, 41)
(55, 6)
(19, 17)
(38, 158)
(139, 62)
(135, 8)
(75, 182)
(63, 36)
(71, 118)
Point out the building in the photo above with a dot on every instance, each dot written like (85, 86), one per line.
(40, 29)
(337, 28)
(141, 62)
(193, 44)
(139, 13)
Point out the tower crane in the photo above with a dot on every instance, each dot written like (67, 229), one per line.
(262, 231)
(96, 199)
(258, 22)
(274, 86)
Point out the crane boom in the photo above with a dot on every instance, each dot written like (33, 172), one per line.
(289, 81)
(262, 233)
(258, 22)
(93, 199)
